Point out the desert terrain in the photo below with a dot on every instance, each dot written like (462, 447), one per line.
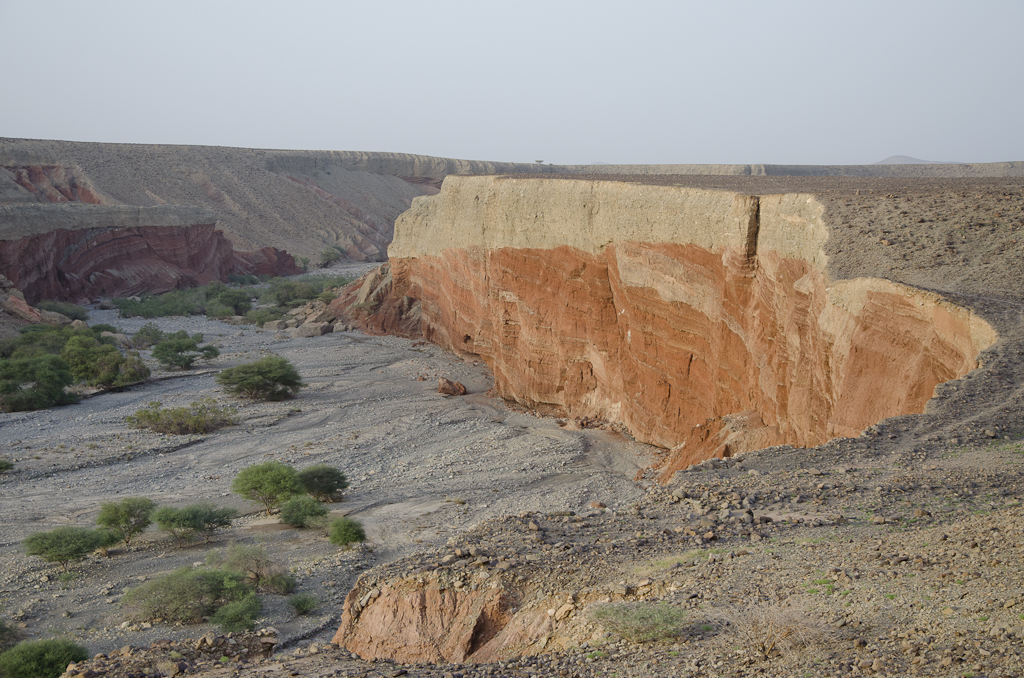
(902, 542)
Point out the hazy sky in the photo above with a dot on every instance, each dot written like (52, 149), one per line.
(818, 82)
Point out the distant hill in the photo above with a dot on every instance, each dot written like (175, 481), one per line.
(907, 160)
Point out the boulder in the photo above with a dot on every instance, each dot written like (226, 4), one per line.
(448, 387)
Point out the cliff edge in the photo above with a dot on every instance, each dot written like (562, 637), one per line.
(708, 322)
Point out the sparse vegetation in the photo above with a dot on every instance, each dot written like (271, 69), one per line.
(323, 482)
(188, 595)
(127, 518)
(6, 465)
(298, 511)
(34, 383)
(256, 565)
(66, 544)
(184, 524)
(269, 378)
(239, 615)
(270, 483)
(345, 531)
(642, 621)
(303, 603)
(40, 658)
(202, 416)
(180, 350)
(329, 256)
(101, 364)
(772, 630)
(148, 335)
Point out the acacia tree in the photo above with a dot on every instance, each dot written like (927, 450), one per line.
(127, 517)
(269, 483)
(269, 378)
(65, 544)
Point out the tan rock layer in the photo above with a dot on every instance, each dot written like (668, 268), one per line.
(715, 333)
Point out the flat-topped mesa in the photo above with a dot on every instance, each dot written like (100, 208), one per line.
(704, 321)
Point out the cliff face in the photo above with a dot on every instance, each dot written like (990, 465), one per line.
(120, 251)
(704, 321)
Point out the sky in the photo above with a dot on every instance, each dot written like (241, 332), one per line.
(566, 82)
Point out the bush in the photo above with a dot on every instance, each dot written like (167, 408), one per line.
(329, 256)
(303, 603)
(148, 335)
(34, 383)
(176, 302)
(264, 315)
(100, 364)
(40, 658)
(183, 524)
(69, 310)
(640, 622)
(9, 635)
(345, 531)
(239, 615)
(238, 301)
(323, 482)
(127, 517)
(180, 350)
(187, 595)
(770, 630)
(269, 483)
(65, 544)
(6, 465)
(298, 510)
(202, 416)
(269, 378)
(255, 565)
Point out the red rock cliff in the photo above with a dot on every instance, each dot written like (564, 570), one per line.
(119, 251)
(702, 320)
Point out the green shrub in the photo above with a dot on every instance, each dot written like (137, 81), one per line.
(180, 350)
(34, 383)
(238, 301)
(100, 364)
(255, 565)
(328, 257)
(264, 315)
(269, 378)
(40, 658)
(6, 465)
(69, 310)
(303, 603)
(640, 622)
(345, 531)
(202, 416)
(184, 524)
(9, 635)
(303, 263)
(239, 615)
(287, 292)
(148, 335)
(127, 517)
(65, 544)
(176, 302)
(269, 483)
(187, 595)
(323, 482)
(298, 510)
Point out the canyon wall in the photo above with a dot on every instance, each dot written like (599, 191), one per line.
(705, 321)
(106, 251)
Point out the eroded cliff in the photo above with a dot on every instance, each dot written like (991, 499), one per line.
(119, 251)
(705, 321)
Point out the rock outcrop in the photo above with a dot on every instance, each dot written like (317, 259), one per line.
(705, 321)
(119, 251)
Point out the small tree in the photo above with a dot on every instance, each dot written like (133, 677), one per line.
(148, 335)
(65, 544)
(187, 595)
(127, 517)
(34, 383)
(40, 658)
(323, 482)
(269, 483)
(345, 531)
(329, 256)
(238, 301)
(257, 566)
(182, 351)
(297, 511)
(185, 523)
(304, 263)
(269, 378)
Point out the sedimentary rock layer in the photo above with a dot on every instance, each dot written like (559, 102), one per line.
(118, 251)
(704, 321)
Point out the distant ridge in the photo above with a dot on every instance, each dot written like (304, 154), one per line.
(907, 160)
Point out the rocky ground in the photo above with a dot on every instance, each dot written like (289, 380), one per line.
(908, 550)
